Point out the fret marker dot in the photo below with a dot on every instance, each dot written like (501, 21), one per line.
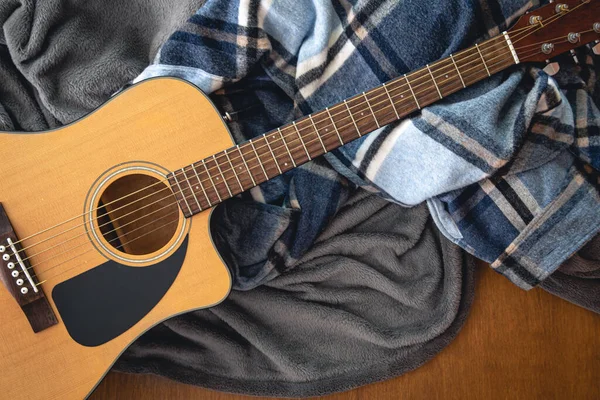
(402, 96)
(285, 164)
(362, 113)
(197, 187)
(446, 76)
(326, 129)
(217, 178)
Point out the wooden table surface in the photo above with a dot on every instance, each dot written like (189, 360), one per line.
(514, 345)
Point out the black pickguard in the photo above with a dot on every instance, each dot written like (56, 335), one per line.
(102, 303)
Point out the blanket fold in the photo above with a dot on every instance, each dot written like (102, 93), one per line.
(379, 293)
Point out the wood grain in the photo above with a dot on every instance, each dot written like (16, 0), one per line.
(515, 345)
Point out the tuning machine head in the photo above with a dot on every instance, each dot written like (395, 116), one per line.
(595, 47)
(551, 68)
(561, 8)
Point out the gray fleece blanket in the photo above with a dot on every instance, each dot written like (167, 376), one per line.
(380, 293)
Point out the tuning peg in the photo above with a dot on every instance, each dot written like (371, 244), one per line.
(574, 55)
(561, 8)
(551, 68)
(596, 47)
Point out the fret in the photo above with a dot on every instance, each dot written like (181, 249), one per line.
(201, 185)
(222, 176)
(259, 160)
(281, 152)
(301, 141)
(211, 180)
(447, 78)
(191, 189)
(413, 93)
(371, 109)
(233, 169)
(246, 165)
(482, 59)
(458, 71)
(272, 154)
(334, 127)
(182, 194)
(434, 82)
(391, 101)
(317, 132)
(353, 121)
(286, 147)
(364, 115)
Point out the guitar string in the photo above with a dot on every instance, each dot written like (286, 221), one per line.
(187, 197)
(66, 261)
(146, 216)
(100, 226)
(513, 32)
(160, 227)
(108, 241)
(491, 44)
(552, 20)
(121, 245)
(555, 40)
(214, 187)
(527, 56)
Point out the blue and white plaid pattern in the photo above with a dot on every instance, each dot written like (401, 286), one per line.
(508, 166)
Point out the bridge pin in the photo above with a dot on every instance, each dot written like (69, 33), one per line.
(10, 265)
(5, 257)
(2, 249)
(15, 274)
(19, 282)
(24, 290)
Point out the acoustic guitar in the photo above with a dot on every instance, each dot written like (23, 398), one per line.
(97, 239)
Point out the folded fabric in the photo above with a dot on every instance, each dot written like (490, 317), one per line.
(379, 294)
(71, 56)
(578, 279)
(507, 166)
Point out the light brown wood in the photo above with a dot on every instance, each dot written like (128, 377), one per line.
(515, 345)
(44, 180)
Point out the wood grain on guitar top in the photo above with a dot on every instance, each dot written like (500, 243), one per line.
(45, 179)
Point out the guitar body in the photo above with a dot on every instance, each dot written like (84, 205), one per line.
(105, 297)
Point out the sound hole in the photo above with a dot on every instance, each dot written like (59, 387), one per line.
(137, 214)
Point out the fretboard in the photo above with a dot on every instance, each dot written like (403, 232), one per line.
(205, 183)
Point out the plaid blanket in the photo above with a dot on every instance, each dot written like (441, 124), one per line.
(508, 167)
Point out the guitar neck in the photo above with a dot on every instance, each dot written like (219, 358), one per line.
(208, 182)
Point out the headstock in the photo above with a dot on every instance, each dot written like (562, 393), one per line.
(556, 28)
